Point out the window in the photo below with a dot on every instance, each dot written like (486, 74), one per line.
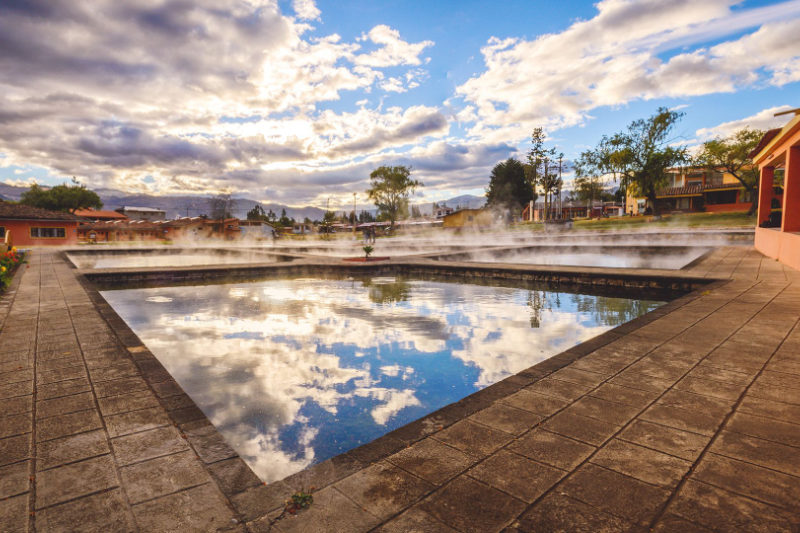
(721, 197)
(48, 233)
(2, 232)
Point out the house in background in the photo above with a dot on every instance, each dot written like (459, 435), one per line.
(696, 189)
(31, 226)
(97, 215)
(469, 218)
(142, 213)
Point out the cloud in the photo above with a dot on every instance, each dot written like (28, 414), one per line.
(621, 55)
(763, 120)
(306, 9)
(198, 96)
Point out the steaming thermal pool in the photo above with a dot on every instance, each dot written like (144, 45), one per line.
(293, 372)
(169, 258)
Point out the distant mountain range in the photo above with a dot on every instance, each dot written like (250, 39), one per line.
(187, 205)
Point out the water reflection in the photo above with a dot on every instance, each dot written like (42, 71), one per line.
(293, 372)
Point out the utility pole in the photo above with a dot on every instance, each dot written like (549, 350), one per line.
(354, 215)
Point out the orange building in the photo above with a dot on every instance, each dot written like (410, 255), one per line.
(778, 158)
(31, 226)
(696, 189)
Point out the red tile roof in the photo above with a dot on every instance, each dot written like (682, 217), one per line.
(97, 214)
(9, 210)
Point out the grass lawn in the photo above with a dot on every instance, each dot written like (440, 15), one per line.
(683, 220)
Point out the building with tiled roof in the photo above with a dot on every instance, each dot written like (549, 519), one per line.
(33, 226)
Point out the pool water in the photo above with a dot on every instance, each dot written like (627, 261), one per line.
(295, 371)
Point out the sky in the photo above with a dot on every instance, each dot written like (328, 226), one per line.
(297, 101)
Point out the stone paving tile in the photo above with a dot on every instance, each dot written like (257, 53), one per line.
(615, 493)
(506, 418)
(755, 426)
(682, 444)
(641, 463)
(672, 523)
(15, 425)
(63, 388)
(209, 444)
(14, 479)
(432, 461)
(77, 479)
(470, 506)
(19, 388)
(67, 424)
(163, 475)
(325, 473)
(539, 404)
(514, 474)
(65, 450)
(712, 388)
(148, 445)
(116, 387)
(692, 421)
(624, 395)
(761, 452)
(769, 408)
(136, 421)
(99, 513)
(383, 489)
(636, 380)
(750, 480)
(725, 511)
(552, 449)
(260, 500)
(602, 410)
(582, 428)
(473, 439)
(68, 404)
(233, 475)
(331, 511)
(14, 514)
(558, 513)
(414, 520)
(563, 390)
(112, 405)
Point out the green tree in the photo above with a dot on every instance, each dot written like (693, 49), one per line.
(544, 168)
(391, 187)
(285, 221)
(257, 213)
(732, 155)
(62, 197)
(509, 188)
(638, 157)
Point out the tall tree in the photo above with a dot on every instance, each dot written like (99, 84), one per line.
(62, 197)
(544, 168)
(638, 157)
(732, 155)
(509, 187)
(257, 213)
(391, 187)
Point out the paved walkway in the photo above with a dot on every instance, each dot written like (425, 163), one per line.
(688, 421)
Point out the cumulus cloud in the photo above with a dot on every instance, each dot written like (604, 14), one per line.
(306, 9)
(763, 120)
(196, 96)
(622, 54)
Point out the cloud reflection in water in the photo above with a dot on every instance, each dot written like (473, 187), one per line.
(293, 372)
